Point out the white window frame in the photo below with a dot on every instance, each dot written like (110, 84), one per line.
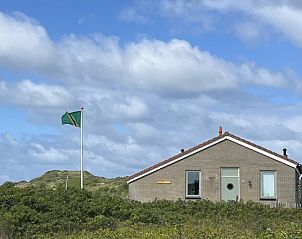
(187, 177)
(275, 185)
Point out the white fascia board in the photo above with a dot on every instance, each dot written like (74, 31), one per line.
(176, 160)
(279, 159)
(272, 156)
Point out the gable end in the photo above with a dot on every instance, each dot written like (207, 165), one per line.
(209, 143)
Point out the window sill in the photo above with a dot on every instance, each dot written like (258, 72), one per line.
(268, 199)
(192, 197)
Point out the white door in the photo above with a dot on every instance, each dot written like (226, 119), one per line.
(230, 184)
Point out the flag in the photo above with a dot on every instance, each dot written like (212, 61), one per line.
(73, 118)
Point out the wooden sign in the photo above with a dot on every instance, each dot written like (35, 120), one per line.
(163, 181)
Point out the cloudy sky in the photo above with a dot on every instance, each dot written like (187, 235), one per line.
(153, 77)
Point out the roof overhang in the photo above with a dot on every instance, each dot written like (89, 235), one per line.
(263, 152)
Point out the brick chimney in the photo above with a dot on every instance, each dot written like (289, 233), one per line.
(220, 131)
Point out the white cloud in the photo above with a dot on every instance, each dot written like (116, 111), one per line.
(143, 100)
(23, 160)
(174, 67)
(134, 108)
(250, 32)
(235, 120)
(128, 154)
(279, 16)
(23, 40)
(39, 152)
(261, 76)
(130, 14)
(28, 93)
(4, 178)
(177, 66)
(9, 138)
(285, 19)
(187, 10)
(143, 131)
(294, 123)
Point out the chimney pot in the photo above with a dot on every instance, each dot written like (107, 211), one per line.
(284, 152)
(220, 131)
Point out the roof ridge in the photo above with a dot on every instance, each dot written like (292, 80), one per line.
(263, 148)
(192, 149)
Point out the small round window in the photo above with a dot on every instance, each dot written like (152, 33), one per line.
(230, 186)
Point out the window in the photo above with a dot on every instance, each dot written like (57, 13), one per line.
(268, 184)
(193, 184)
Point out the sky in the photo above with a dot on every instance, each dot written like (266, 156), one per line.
(153, 77)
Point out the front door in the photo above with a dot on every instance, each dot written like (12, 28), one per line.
(230, 184)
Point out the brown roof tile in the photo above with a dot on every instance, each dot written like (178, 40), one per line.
(204, 144)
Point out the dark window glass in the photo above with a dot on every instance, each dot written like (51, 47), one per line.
(193, 183)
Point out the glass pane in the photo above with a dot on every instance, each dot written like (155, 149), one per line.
(268, 184)
(193, 183)
(233, 172)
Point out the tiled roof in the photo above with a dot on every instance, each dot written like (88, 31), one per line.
(158, 165)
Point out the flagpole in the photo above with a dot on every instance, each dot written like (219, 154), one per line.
(82, 176)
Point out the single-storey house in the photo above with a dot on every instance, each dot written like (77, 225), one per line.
(226, 167)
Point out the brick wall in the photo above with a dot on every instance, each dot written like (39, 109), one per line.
(209, 162)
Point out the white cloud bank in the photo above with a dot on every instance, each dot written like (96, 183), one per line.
(174, 66)
(143, 100)
(29, 93)
(253, 18)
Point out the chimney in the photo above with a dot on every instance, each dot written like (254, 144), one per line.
(284, 153)
(220, 131)
(182, 150)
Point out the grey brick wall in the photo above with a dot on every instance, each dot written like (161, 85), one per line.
(209, 162)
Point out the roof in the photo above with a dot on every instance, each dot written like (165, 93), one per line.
(209, 143)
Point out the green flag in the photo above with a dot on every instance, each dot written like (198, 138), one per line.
(73, 118)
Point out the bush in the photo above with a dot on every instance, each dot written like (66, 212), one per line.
(46, 213)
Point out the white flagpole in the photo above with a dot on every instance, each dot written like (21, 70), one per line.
(82, 176)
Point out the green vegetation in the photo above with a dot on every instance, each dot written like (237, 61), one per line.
(39, 211)
(57, 179)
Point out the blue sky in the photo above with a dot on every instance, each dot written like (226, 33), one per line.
(153, 76)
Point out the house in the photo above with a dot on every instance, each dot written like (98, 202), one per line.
(226, 167)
